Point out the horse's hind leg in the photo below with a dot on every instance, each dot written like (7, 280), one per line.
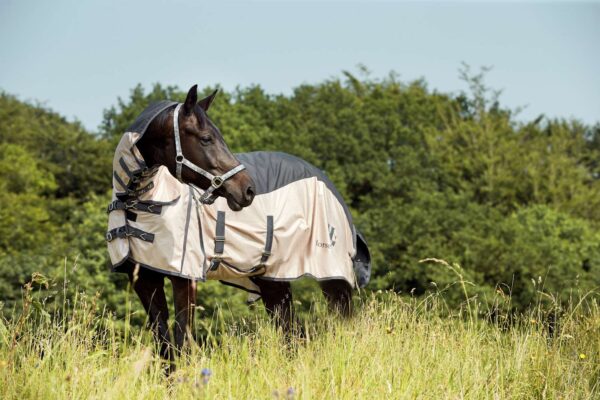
(277, 298)
(338, 293)
(149, 286)
(184, 294)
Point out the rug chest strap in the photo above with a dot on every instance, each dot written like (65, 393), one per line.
(126, 231)
(219, 241)
(126, 169)
(140, 191)
(134, 205)
(135, 178)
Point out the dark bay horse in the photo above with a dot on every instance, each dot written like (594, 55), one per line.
(203, 145)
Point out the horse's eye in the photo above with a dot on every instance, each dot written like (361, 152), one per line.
(206, 139)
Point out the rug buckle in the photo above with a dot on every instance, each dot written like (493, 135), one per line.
(131, 204)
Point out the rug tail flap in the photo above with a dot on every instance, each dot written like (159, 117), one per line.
(362, 261)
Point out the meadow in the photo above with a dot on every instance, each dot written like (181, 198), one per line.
(396, 347)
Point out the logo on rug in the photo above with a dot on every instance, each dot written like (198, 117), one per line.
(332, 238)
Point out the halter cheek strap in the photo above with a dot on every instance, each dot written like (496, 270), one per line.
(216, 182)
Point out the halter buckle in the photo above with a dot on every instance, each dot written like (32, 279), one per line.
(179, 158)
(217, 182)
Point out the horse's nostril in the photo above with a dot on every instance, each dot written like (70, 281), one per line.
(250, 193)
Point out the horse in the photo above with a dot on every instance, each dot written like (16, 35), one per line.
(181, 139)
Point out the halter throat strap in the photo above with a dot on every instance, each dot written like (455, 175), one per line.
(216, 182)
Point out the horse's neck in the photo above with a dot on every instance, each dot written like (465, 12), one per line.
(153, 154)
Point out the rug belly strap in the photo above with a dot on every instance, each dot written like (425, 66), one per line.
(219, 241)
(268, 242)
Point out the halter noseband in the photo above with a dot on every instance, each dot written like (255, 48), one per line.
(216, 182)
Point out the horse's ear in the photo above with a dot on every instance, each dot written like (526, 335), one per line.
(191, 99)
(207, 101)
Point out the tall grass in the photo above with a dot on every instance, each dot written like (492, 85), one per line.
(396, 347)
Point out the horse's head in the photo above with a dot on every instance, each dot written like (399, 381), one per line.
(201, 144)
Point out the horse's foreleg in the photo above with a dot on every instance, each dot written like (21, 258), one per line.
(277, 298)
(149, 286)
(184, 295)
(338, 293)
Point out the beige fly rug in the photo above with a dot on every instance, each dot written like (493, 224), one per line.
(298, 225)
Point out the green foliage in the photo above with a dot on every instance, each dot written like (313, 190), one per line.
(20, 172)
(548, 250)
(79, 162)
(427, 174)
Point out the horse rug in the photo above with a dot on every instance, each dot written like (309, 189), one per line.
(298, 224)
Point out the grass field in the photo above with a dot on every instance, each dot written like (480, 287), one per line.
(396, 347)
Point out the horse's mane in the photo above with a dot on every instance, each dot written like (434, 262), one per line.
(161, 119)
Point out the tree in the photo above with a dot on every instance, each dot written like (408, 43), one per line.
(426, 174)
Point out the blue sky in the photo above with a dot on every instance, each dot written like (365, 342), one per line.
(77, 57)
